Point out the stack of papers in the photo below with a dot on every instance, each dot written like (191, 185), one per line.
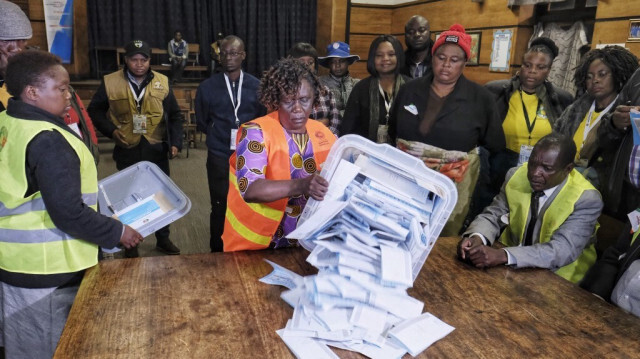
(366, 237)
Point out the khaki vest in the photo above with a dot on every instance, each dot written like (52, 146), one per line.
(252, 225)
(122, 106)
(518, 191)
(29, 241)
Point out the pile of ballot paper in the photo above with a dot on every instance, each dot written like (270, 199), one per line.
(368, 238)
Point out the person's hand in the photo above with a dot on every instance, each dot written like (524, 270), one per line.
(485, 256)
(466, 244)
(130, 238)
(315, 186)
(621, 117)
(118, 136)
(174, 151)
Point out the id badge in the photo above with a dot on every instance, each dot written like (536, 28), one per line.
(383, 133)
(634, 218)
(525, 153)
(232, 141)
(140, 124)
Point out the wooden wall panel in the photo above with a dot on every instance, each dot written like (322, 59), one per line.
(360, 45)
(339, 28)
(618, 8)
(36, 10)
(442, 14)
(331, 23)
(481, 74)
(370, 20)
(614, 32)
(359, 70)
(39, 38)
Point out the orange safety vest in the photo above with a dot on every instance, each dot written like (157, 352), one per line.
(252, 225)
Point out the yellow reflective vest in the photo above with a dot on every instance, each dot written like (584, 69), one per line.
(29, 241)
(518, 191)
(122, 106)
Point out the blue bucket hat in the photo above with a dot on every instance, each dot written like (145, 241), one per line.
(340, 50)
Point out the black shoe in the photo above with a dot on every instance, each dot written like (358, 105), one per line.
(131, 253)
(167, 247)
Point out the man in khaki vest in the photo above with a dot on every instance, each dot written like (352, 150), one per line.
(137, 109)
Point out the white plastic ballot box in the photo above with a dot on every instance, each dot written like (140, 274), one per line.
(143, 197)
(383, 175)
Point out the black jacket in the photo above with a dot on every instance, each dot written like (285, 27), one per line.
(555, 99)
(53, 169)
(468, 118)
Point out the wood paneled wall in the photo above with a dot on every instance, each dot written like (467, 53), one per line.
(79, 68)
(612, 23)
(364, 22)
(367, 21)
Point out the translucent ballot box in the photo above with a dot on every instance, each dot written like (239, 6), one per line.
(143, 197)
(382, 197)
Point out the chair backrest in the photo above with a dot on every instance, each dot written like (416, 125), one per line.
(119, 56)
(193, 57)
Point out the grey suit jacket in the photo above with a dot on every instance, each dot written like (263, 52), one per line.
(566, 243)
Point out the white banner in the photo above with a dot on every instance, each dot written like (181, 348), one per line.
(58, 19)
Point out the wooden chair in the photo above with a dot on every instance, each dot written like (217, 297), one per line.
(193, 57)
(189, 125)
(193, 62)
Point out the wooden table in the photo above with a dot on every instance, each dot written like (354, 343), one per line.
(212, 305)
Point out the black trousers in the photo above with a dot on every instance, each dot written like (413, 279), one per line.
(218, 175)
(144, 151)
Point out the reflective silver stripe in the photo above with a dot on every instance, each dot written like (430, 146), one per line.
(32, 236)
(37, 204)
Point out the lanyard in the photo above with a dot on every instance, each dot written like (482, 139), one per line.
(387, 104)
(530, 125)
(589, 126)
(137, 98)
(237, 105)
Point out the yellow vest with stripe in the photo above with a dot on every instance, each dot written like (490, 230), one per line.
(518, 191)
(252, 225)
(29, 241)
(122, 106)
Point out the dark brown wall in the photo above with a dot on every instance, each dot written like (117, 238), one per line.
(612, 23)
(367, 21)
(35, 11)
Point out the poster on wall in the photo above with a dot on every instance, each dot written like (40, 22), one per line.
(58, 19)
(501, 50)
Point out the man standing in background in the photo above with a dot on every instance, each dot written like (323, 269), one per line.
(224, 102)
(130, 107)
(418, 54)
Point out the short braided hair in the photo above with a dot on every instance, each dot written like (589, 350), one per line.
(283, 80)
(620, 60)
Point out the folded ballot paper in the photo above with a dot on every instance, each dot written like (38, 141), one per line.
(369, 239)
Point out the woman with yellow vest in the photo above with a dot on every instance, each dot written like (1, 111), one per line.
(49, 228)
(274, 169)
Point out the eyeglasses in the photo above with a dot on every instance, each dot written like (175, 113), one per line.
(231, 54)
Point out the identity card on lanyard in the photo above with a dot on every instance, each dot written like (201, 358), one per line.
(234, 131)
(525, 150)
(139, 120)
(590, 124)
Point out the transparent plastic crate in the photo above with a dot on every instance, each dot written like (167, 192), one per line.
(348, 147)
(130, 188)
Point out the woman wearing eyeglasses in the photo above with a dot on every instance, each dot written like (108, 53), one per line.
(602, 73)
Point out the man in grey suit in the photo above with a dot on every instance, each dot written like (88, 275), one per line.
(548, 212)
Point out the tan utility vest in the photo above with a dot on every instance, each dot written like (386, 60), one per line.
(122, 106)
